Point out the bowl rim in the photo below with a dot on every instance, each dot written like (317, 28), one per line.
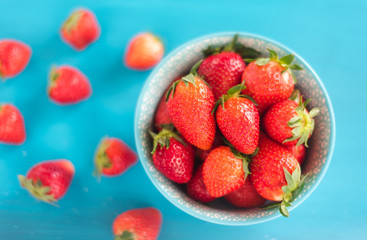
(215, 220)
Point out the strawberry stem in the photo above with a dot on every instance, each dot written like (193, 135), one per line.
(163, 138)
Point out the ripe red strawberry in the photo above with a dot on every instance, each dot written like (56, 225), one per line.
(246, 196)
(289, 122)
(113, 157)
(223, 66)
(269, 80)
(80, 29)
(144, 51)
(14, 57)
(138, 224)
(299, 152)
(173, 156)
(225, 170)
(49, 180)
(275, 173)
(68, 85)
(203, 154)
(196, 187)
(238, 120)
(12, 129)
(190, 102)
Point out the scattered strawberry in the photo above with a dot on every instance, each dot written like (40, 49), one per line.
(269, 80)
(173, 156)
(80, 29)
(145, 50)
(289, 122)
(275, 173)
(49, 180)
(113, 157)
(246, 196)
(190, 102)
(196, 187)
(225, 170)
(203, 154)
(299, 152)
(238, 120)
(14, 57)
(12, 129)
(68, 85)
(138, 224)
(222, 70)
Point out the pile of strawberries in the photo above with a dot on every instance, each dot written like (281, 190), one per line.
(49, 181)
(235, 127)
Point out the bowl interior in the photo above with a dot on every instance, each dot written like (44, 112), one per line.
(179, 62)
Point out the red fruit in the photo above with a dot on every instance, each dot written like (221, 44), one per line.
(190, 106)
(14, 57)
(222, 71)
(275, 173)
(238, 120)
(269, 80)
(203, 154)
(138, 224)
(113, 157)
(246, 196)
(68, 85)
(196, 187)
(12, 129)
(299, 152)
(224, 171)
(144, 51)
(49, 180)
(173, 156)
(80, 29)
(289, 122)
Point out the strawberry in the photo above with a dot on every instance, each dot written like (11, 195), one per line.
(14, 57)
(238, 120)
(246, 196)
(138, 224)
(269, 80)
(190, 102)
(12, 129)
(48, 181)
(144, 51)
(299, 152)
(275, 173)
(173, 156)
(196, 187)
(289, 122)
(68, 85)
(113, 157)
(224, 171)
(80, 29)
(162, 116)
(203, 154)
(222, 70)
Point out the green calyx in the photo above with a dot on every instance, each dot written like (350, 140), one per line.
(189, 78)
(285, 62)
(163, 137)
(37, 190)
(2, 77)
(101, 159)
(233, 46)
(234, 91)
(72, 21)
(303, 123)
(54, 75)
(126, 235)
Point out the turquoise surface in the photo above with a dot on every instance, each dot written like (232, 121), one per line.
(331, 36)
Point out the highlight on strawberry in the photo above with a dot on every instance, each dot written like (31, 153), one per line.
(48, 181)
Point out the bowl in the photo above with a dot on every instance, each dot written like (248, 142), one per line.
(179, 62)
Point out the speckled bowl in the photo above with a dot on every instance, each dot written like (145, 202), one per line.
(179, 62)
